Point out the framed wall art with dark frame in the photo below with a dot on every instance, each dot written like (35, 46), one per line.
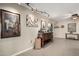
(72, 27)
(31, 21)
(10, 24)
(43, 25)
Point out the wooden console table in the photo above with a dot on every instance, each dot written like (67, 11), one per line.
(72, 36)
(45, 37)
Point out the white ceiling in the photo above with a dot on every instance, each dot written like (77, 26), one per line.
(59, 11)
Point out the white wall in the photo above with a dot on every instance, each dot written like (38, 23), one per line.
(9, 46)
(60, 32)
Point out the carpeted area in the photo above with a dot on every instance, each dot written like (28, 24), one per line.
(59, 47)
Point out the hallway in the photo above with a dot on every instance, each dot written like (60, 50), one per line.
(59, 47)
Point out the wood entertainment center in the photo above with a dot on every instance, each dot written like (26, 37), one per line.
(45, 37)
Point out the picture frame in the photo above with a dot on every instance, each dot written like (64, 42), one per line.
(31, 21)
(62, 26)
(43, 25)
(10, 24)
(72, 27)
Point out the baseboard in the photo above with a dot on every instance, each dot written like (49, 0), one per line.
(15, 54)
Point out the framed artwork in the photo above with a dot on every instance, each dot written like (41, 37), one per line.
(0, 29)
(72, 27)
(10, 24)
(43, 24)
(31, 21)
(62, 26)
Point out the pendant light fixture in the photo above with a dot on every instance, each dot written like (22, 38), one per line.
(75, 16)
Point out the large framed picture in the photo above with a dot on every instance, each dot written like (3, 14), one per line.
(10, 24)
(72, 27)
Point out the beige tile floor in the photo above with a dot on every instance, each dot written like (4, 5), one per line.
(59, 47)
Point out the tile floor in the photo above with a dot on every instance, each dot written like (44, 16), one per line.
(59, 47)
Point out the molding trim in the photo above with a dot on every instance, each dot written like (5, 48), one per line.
(15, 54)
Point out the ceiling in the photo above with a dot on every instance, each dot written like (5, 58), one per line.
(59, 11)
